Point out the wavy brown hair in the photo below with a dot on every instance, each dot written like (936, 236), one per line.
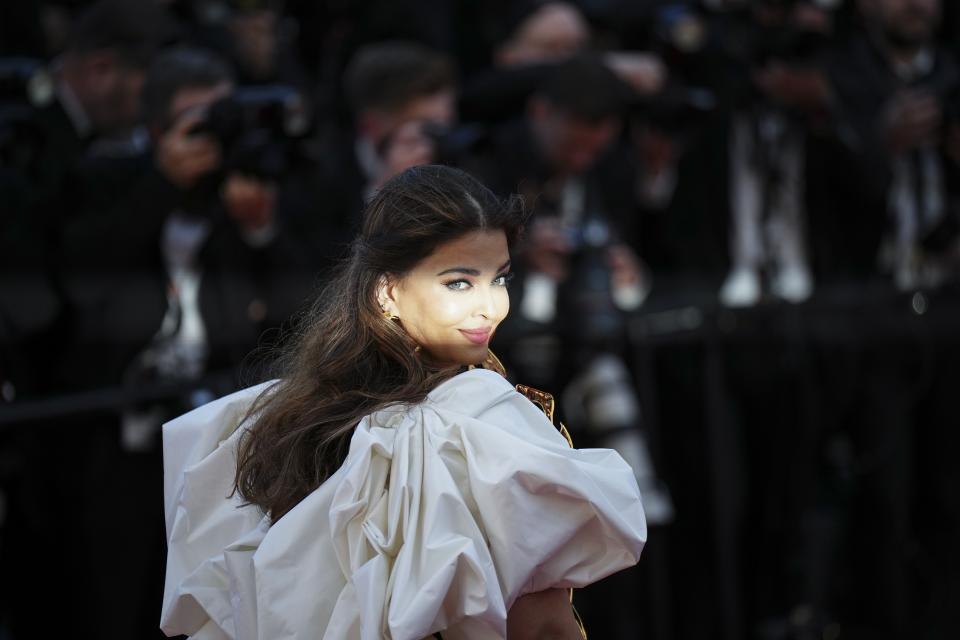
(346, 360)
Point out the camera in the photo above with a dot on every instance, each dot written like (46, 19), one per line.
(677, 109)
(769, 32)
(257, 128)
(450, 144)
(588, 316)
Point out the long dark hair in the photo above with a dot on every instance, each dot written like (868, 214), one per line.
(346, 360)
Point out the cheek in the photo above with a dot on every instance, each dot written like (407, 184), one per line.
(503, 305)
(432, 311)
(449, 310)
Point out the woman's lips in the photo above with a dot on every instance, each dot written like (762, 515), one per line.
(476, 336)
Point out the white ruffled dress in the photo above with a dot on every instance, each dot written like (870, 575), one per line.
(443, 514)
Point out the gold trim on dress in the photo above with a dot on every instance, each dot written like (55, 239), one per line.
(492, 362)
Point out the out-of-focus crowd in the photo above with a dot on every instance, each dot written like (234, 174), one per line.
(176, 177)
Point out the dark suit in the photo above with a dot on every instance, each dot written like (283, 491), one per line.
(850, 170)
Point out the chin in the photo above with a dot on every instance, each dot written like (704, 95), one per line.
(468, 355)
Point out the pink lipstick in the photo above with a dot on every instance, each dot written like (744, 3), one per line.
(476, 336)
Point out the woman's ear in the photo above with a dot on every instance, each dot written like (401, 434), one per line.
(386, 296)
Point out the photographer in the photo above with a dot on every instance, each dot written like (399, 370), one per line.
(895, 100)
(387, 86)
(777, 94)
(86, 102)
(92, 91)
(566, 159)
(258, 38)
(526, 40)
(887, 218)
(210, 254)
(171, 283)
(577, 274)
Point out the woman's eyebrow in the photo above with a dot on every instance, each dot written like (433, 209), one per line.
(470, 271)
(464, 270)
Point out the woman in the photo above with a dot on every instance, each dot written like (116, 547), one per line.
(385, 487)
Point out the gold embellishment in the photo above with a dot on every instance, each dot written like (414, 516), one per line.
(492, 363)
(566, 434)
(576, 615)
(542, 399)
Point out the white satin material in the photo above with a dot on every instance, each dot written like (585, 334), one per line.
(443, 514)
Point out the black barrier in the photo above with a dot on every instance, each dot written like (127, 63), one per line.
(33, 413)
(679, 318)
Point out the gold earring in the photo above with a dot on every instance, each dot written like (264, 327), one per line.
(389, 315)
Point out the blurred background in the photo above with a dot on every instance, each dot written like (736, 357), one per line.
(741, 272)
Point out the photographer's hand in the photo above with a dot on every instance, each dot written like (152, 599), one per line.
(645, 72)
(629, 279)
(250, 202)
(183, 158)
(912, 120)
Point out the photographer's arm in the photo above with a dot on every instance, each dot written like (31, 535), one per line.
(128, 233)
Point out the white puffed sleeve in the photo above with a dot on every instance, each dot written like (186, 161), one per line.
(475, 499)
(553, 516)
(203, 518)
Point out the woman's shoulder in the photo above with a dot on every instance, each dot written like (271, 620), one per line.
(474, 392)
(485, 399)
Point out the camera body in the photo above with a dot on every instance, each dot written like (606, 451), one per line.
(588, 316)
(257, 129)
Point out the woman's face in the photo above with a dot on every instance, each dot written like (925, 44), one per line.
(453, 300)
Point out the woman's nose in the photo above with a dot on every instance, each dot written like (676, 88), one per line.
(487, 304)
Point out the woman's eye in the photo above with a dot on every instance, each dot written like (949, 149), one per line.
(503, 280)
(458, 285)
